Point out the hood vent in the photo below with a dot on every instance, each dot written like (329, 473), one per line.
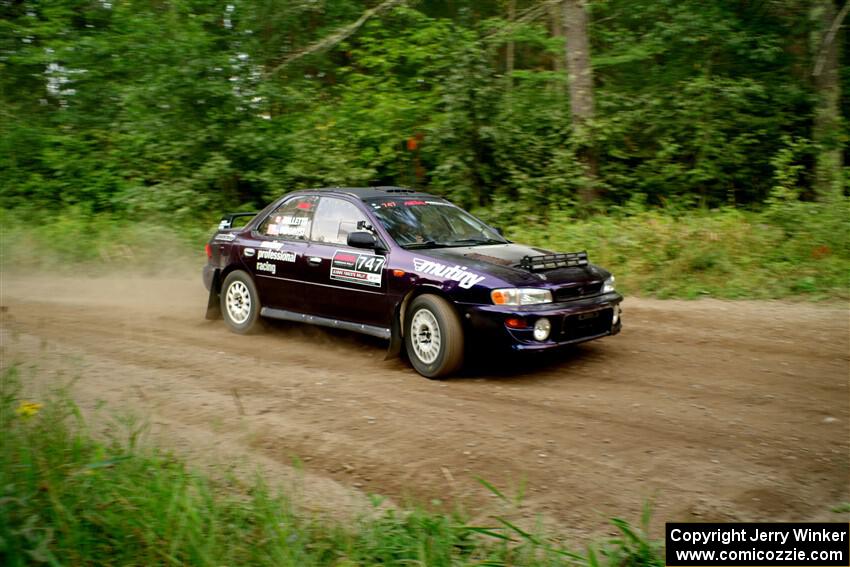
(489, 259)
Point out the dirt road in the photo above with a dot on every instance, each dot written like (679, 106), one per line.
(710, 410)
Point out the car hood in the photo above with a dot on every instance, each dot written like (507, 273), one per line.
(503, 261)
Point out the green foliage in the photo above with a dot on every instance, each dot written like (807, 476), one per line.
(790, 249)
(149, 114)
(136, 108)
(632, 546)
(69, 499)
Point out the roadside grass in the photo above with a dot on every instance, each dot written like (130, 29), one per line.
(77, 242)
(69, 499)
(788, 250)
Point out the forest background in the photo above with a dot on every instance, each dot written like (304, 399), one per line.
(693, 147)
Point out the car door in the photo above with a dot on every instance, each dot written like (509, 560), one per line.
(344, 282)
(275, 253)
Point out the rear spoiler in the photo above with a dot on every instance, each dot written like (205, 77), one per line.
(551, 261)
(227, 220)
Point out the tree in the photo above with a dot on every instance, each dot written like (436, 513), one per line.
(509, 49)
(828, 168)
(580, 75)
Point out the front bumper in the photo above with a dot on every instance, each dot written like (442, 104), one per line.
(572, 322)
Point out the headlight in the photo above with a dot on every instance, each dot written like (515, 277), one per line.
(608, 286)
(522, 296)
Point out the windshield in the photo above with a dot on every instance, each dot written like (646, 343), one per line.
(432, 223)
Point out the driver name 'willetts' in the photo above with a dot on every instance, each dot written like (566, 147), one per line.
(457, 273)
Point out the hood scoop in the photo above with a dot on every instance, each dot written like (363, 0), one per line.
(552, 261)
(490, 259)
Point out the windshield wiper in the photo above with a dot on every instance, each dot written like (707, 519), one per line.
(426, 244)
(476, 241)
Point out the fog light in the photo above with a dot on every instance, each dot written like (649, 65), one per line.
(541, 329)
(616, 317)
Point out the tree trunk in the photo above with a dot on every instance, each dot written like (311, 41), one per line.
(829, 181)
(578, 61)
(557, 24)
(509, 50)
(580, 76)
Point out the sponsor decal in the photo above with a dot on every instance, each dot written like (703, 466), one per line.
(226, 237)
(345, 260)
(272, 245)
(410, 203)
(266, 267)
(224, 224)
(457, 273)
(362, 269)
(280, 256)
(287, 230)
(293, 220)
(288, 225)
(293, 226)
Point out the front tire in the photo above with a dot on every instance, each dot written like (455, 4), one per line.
(433, 337)
(240, 303)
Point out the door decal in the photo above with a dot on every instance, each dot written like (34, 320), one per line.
(362, 269)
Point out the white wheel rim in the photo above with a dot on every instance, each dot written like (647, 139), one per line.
(425, 336)
(238, 302)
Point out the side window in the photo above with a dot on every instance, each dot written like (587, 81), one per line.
(335, 218)
(291, 220)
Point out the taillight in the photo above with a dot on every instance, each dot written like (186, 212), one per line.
(208, 250)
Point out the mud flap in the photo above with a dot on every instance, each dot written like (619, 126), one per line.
(214, 302)
(396, 340)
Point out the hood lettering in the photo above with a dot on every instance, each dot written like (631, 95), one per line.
(464, 278)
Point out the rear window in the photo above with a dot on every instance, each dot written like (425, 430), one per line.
(292, 220)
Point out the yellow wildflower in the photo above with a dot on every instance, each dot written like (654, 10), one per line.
(28, 409)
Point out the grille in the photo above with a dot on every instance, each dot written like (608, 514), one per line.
(586, 324)
(551, 261)
(573, 292)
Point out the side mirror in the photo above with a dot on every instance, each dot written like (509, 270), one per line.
(499, 230)
(362, 239)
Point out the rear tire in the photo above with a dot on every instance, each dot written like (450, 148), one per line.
(240, 303)
(433, 337)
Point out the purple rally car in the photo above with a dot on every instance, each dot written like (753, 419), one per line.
(405, 266)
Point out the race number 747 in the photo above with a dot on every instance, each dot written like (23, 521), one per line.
(372, 264)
